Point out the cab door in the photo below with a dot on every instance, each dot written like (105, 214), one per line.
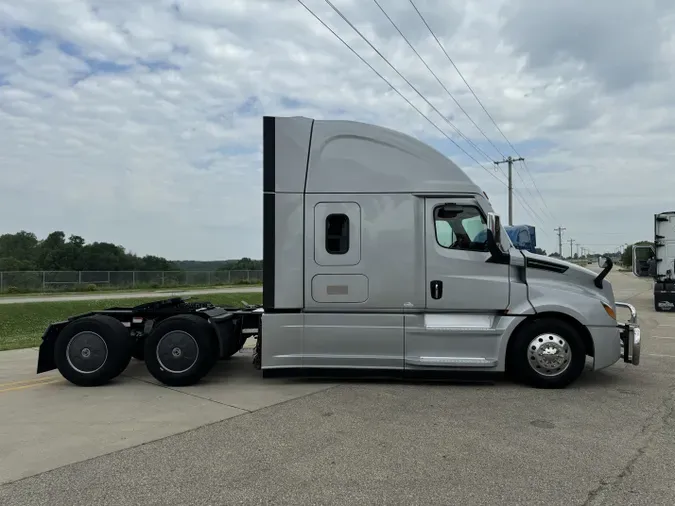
(641, 254)
(459, 274)
(465, 291)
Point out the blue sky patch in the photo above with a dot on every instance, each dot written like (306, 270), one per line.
(249, 107)
(29, 39)
(158, 65)
(526, 149)
(105, 66)
(70, 49)
(291, 103)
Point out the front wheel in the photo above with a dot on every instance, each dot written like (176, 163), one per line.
(546, 353)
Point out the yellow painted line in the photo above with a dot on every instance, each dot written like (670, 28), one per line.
(23, 387)
(28, 381)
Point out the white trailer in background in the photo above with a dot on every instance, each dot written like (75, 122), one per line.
(658, 261)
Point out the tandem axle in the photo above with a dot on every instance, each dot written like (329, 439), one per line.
(180, 341)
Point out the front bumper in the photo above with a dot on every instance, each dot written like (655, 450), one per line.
(630, 336)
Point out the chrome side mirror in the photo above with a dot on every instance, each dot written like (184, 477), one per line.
(494, 226)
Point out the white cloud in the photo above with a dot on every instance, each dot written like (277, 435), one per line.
(139, 123)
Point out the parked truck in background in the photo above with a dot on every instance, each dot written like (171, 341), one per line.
(522, 237)
(372, 260)
(658, 261)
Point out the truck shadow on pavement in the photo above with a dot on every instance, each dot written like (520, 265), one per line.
(238, 370)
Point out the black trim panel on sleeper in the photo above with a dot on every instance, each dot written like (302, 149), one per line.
(269, 180)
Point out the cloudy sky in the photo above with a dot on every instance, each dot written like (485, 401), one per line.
(139, 122)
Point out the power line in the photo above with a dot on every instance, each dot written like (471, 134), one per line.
(520, 197)
(458, 71)
(476, 96)
(437, 79)
(344, 18)
(530, 192)
(510, 161)
(601, 233)
(407, 100)
(398, 92)
(459, 132)
(524, 164)
(534, 215)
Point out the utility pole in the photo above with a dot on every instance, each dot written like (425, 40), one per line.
(560, 231)
(571, 241)
(510, 161)
(578, 249)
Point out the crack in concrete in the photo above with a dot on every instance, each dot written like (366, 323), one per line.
(654, 423)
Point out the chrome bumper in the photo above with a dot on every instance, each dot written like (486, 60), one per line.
(630, 336)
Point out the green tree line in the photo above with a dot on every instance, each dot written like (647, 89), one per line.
(243, 264)
(23, 251)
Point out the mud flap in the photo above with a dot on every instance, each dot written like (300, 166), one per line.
(664, 297)
(46, 351)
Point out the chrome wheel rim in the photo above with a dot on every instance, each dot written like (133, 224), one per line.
(549, 354)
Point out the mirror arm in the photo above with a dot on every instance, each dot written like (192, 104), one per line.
(492, 244)
(496, 254)
(598, 279)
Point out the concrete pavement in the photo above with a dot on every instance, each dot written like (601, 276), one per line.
(606, 440)
(160, 294)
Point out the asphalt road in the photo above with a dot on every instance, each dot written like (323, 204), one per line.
(606, 440)
(127, 295)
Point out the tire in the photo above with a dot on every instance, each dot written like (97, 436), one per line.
(92, 350)
(181, 350)
(526, 365)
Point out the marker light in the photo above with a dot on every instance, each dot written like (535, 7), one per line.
(609, 311)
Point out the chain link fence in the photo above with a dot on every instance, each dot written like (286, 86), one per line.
(68, 281)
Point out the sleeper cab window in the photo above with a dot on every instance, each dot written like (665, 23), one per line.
(460, 227)
(337, 234)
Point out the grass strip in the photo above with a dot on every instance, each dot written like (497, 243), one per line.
(176, 288)
(22, 325)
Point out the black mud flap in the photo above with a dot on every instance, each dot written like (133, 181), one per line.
(664, 300)
(226, 327)
(46, 352)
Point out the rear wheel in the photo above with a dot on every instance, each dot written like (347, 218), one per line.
(181, 350)
(93, 350)
(546, 353)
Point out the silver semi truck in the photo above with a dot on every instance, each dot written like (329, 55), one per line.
(379, 254)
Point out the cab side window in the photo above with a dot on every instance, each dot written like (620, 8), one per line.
(460, 227)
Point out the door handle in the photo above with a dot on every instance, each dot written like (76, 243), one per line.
(436, 288)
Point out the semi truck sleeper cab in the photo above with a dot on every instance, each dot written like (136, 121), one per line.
(379, 253)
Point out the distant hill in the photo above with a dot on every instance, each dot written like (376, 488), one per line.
(242, 264)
